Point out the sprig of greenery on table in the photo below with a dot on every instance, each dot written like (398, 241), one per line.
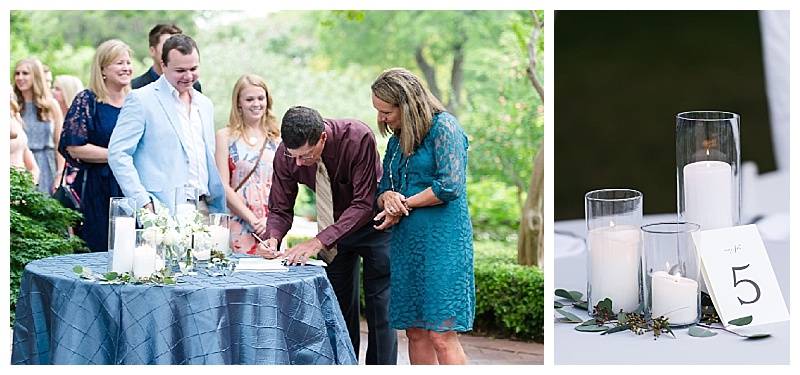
(637, 322)
(165, 277)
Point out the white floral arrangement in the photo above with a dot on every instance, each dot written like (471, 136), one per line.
(184, 231)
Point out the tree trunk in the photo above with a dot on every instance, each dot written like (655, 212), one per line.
(530, 245)
(456, 78)
(428, 72)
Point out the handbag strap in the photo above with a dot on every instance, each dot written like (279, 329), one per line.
(266, 139)
(63, 174)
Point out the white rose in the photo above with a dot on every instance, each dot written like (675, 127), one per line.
(172, 237)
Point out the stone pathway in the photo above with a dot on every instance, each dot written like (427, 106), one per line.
(479, 350)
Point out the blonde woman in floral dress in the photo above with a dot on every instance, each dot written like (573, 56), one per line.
(244, 154)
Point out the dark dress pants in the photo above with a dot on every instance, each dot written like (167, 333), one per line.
(373, 247)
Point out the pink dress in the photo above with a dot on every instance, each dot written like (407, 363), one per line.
(255, 190)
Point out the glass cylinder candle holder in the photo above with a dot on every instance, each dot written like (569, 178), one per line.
(219, 225)
(186, 200)
(144, 254)
(672, 273)
(154, 236)
(613, 221)
(708, 167)
(121, 234)
(202, 243)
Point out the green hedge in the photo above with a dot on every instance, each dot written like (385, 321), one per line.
(509, 298)
(38, 228)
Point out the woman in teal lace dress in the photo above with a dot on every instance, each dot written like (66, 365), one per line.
(423, 195)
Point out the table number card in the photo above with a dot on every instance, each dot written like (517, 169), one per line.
(739, 275)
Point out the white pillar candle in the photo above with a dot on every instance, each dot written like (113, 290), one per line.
(674, 297)
(144, 261)
(221, 237)
(614, 266)
(124, 243)
(709, 200)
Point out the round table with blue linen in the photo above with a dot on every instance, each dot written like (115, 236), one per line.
(245, 318)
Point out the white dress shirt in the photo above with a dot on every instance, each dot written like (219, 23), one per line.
(193, 143)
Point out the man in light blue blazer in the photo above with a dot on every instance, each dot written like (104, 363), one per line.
(164, 136)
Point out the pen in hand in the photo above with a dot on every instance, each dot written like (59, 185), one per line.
(262, 242)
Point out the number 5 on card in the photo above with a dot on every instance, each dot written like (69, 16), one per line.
(739, 275)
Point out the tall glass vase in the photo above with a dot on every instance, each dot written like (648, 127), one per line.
(121, 234)
(186, 200)
(613, 221)
(708, 168)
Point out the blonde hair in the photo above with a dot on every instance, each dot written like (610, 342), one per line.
(15, 107)
(106, 54)
(268, 123)
(70, 87)
(404, 90)
(42, 97)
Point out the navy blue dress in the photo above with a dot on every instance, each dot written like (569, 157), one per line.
(90, 122)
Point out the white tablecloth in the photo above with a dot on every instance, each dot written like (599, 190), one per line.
(574, 347)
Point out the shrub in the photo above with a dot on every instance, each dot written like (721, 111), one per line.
(38, 228)
(495, 209)
(509, 298)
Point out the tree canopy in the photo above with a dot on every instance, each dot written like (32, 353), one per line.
(474, 61)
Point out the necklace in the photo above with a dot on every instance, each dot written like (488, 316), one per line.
(250, 139)
(404, 169)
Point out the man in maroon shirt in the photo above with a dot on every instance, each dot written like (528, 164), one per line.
(348, 149)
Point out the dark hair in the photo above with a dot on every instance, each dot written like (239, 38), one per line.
(183, 43)
(301, 126)
(162, 28)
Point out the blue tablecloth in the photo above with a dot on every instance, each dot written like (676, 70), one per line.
(246, 318)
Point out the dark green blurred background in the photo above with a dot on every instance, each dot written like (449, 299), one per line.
(620, 79)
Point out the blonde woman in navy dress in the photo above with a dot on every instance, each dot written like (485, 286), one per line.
(89, 123)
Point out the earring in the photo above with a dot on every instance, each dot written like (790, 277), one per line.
(104, 77)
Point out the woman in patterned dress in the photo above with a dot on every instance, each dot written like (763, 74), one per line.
(43, 119)
(252, 128)
(88, 126)
(423, 196)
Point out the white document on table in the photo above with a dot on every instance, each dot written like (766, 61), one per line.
(260, 265)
